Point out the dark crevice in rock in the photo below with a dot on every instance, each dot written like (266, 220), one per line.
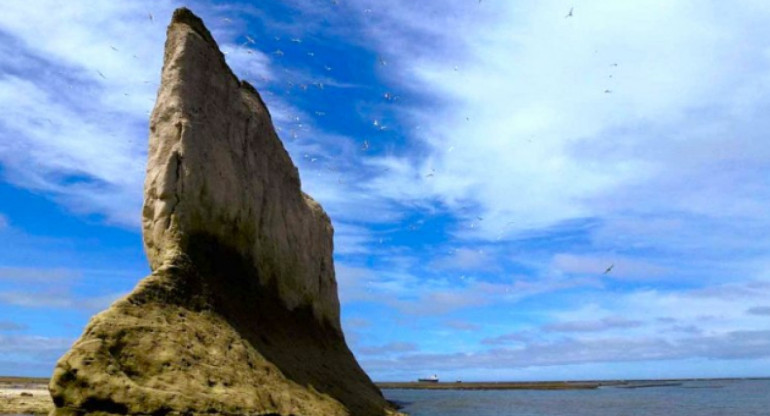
(93, 404)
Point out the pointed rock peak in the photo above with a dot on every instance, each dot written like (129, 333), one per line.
(240, 314)
(185, 16)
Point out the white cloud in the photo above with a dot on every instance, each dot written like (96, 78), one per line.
(592, 326)
(38, 275)
(387, 349)
(351, 239)
(462, 325)
(734, 345)
(79, 99)
(467, 259)
(524, 131)
(608, 266)
(399, 286)
(356, 323)
(12, 326)
(58, 300)
(33, 348)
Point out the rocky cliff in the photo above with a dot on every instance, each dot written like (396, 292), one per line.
(240, 314)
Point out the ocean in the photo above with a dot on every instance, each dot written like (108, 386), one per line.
(691, 398)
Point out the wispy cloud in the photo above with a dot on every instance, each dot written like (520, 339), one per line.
(759, 310)
(58, 300)
(592, 326)
(387, 349)
(730, 345)
(12, 326)
(399, 287)
(35, 348)
(583, 99)
(355, 323)
(467, 259)
(39, 275)
(86, 145)
(522, 337)
(461, 325)
(609, 266)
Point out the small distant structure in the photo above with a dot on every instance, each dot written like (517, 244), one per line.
(431, 379)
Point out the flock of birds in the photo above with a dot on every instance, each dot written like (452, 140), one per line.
(250, 42)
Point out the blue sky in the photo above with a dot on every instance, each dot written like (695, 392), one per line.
(483, 163)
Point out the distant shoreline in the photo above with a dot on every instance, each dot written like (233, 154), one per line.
(489, 386)
(23, 380)
(24, 396)
(548, 385)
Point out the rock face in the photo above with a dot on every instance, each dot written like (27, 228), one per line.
(240, 315)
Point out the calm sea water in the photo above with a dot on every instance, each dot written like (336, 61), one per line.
(695, 398)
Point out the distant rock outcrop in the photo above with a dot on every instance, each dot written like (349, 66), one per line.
(240, 315)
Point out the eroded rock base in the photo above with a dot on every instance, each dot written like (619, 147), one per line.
(164, 350)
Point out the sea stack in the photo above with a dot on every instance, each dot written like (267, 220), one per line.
(240, 315)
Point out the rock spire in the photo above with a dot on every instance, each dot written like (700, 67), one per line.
(240, 315)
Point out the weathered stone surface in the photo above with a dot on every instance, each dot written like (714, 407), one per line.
(240, 315)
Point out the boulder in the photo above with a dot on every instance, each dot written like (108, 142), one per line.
(240, 315)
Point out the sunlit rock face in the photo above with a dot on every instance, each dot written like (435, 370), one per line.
(240, 314)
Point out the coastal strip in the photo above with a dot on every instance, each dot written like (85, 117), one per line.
(24, 396)
(563, 385)
(550, 385)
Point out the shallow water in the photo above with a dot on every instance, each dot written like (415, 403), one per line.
(701, 398)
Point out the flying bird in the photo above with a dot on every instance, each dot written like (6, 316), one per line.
(609, 269)
(571, 9)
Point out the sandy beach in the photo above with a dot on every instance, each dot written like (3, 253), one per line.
(24, 396)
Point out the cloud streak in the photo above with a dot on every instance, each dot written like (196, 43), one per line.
(592, 326)
(568, 351)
